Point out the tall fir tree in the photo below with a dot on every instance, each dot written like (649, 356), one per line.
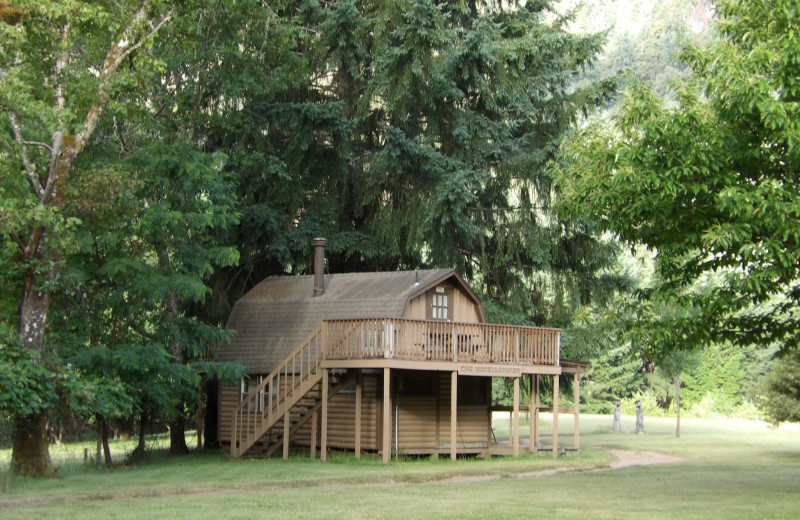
(419, 133)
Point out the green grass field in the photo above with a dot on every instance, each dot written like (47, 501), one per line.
(727, 469)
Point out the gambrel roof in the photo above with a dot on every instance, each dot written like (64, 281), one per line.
(273, 318)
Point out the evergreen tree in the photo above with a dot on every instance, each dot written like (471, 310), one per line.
(420, 133)
(778, 393)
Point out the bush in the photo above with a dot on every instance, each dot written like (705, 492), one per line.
(649, 404)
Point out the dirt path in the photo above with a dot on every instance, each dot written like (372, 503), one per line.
(625, 459)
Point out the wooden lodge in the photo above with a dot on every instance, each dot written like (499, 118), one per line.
(392, 362)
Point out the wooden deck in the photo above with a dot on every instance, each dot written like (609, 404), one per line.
(474, 349)
(437, 341)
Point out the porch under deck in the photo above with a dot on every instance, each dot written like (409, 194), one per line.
(460, 349)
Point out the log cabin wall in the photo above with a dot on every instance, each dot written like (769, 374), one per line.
(341, 418)
(420, 414)
(421, 423)
(229, 399)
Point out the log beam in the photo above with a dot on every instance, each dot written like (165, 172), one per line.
(359, 386)
(576, 434)
(515, 420)
(453, 412)
(387, 415)
(555, 415)
(323, 444)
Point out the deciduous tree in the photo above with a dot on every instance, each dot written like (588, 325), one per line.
(59, 75)
(711, 183)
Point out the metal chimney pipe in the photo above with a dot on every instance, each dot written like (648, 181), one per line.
(319, 266)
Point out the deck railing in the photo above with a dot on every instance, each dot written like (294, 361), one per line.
(440, 341)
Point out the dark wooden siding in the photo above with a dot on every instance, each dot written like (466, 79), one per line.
(414, 418)
(341, 419)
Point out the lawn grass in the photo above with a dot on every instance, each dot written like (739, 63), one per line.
(729, 469)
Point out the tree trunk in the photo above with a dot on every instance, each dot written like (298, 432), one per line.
(211, 427)
(103, 432)
(98, 452)
(177, 438)
(106, 448)
(138, 451)
(200, 422)
(33, 454)
(30, 455)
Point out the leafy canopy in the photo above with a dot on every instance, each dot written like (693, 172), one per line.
(711, 183)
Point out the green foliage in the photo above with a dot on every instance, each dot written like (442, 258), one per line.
(721, 372)
(615, 371)
(410, 134)
(709, 184)
(147, 240)
(645, 38)
(649, 401)
(26, 385)
(779, 391)
(714, 405)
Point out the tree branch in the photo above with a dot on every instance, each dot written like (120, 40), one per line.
(18, 241)
(61, 63)
(58, 142)
(117, 53)
(39, 145)
(29, 249)
(30, 168)
(149, 35)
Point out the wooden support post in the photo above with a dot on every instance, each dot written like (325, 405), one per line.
(453, 412)
(533, 415)
(359, 386)
(287, 423)
(515, 421)
(387, 415)
(555, 414)
(576, 434)
(489, 429)
(314, 428)
(323, 434)
(438, 382)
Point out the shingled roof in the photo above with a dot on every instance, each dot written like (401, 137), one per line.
(280, 312)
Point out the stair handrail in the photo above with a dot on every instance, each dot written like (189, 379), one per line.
(261, 416)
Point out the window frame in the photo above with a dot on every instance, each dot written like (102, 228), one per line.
(434, 296)
(244, 390)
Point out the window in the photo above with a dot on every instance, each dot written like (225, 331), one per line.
(248, 384)
(439, 303)
(415, 384)
(439, 307)
(473, 390)
(349, 387)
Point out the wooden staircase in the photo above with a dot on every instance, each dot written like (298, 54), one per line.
(289, 395)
